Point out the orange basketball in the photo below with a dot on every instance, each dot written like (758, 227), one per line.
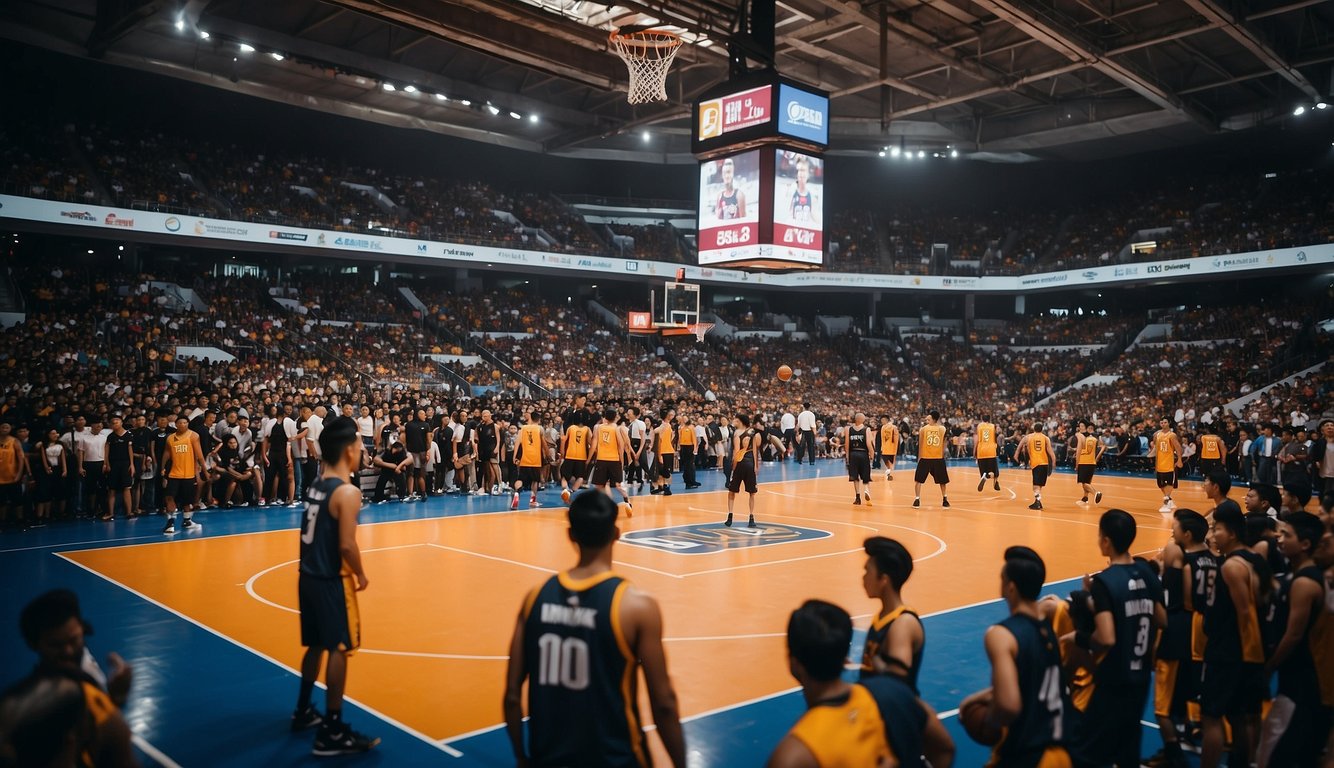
(784, 372)
(973, 718)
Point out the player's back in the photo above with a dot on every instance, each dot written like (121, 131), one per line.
(321, 554)
(986, 440)
(932, 442)
(1041, 723)
(582, 704)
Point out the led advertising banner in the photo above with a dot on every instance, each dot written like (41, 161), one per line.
(729, 208)
(798, 219)
(733, 112)
(803, 114)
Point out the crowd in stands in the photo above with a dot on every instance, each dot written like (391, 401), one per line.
(35, 160)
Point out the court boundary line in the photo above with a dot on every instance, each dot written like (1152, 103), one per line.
(538, 567)
(156, 754)
(413, 732)
(250, 582)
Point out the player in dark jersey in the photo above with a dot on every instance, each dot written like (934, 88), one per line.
(746, 453)
(731, 200)
(1233, 685)
(331, 574)
(1128, 612)
(802, 208)
(868, 723)
(119, 468)
(1172, 667)
(858, 458)
(578, 642)
(1027, 696)
(895, 639)
(1292, 732)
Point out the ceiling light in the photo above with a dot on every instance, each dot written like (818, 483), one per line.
(120, 248)
(647, 136)
(276, 56)
(409, 89)
(894, 151)
(1299, 111)
(441, 97)
(954, 153)
(90, 250)
(247, 48)
(493, 109)
(180, 25)
(516, 115)
(533, 118)
(882, 153)
(389, 87)
(1321, 105)
(465, 102)
(921, 153)
(203, 35)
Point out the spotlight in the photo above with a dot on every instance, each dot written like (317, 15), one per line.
(441, 97)
(954, 153)
(921, 153)
(120, 248)
(533, 118)
(493, 109)
(90, 250)
(465, 102)
(409, 89)
(1321, 105)
(389, 87)
(246, 48)
(1299, 111)
(276, 56)
(203, 35)
(516, 115)
(180, 25)
(646, 136)
(882, 153)
(895, 151)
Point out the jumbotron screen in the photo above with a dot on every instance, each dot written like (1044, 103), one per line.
(798, 232)
(729, 208)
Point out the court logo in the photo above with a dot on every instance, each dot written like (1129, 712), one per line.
(708, 538)
(172, 224)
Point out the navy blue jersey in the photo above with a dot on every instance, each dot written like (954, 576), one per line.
(877, 644)
(1297, 678)
(321, 555)
(582, 704)
(1231, 639)
(903, 715)
(1130, 592)
(859, 440)
(1041, 722)
(1203, 578)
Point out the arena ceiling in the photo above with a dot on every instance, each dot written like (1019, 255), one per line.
(996, 79)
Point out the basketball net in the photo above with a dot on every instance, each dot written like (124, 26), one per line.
(647, 55)
(700, 329)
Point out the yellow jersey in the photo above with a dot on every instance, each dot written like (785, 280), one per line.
(932, 438)
(530, 445)
(846, 734)
(986, 440)
(1211, 447)
(182, 456)
(889, 440)
(666, 440)
(9, 461)
(1165, 458)
(1088, 450)
(1037, 449)
(576, 443)
(608, 449)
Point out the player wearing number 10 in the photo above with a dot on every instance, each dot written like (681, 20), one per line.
(579, 642)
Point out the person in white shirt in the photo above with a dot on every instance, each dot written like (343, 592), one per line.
(639, 456)
(788, 424)
(91, 448)
(806, 434)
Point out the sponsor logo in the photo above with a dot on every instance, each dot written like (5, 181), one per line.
(275, 234)
(1125, 271)
(631, 266)
(112, 220)
(1227, 262)
(957, 282)
(1158, 269)
(511, 256)
(172, 224)
(421, 248)
(711, 538)
(1089, 275)
(319, 240)
(80, 215)
(358, 242)
(457, 252)
(1045, 279)
(640, 321)
(550, 259)
(1301, 256)
(802, 115)
(799, 236)
(595, 263)
(204, 228)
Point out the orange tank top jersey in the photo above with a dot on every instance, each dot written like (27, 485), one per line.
(1211, 447)
(1165, 460)
(530, 445)
(889, 440)
(1037, 450)
(1081, 677)
(666, 443)
(182, 456)
(1088, 450)
(576, 444)
(846, 734)
(608, 449)
(9, 461)
(986, 440)
(933, 442)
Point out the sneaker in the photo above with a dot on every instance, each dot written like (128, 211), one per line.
(655, 490)
(857, 500)
(1035, 505)
(629, 508)
(917, 502)
(981, 484)
(106, 518)
(728, 522)
(565, 496)
(887, 477)
(1161, 759)
(306, 718)
(170, 529)
(344, 741)
(263, 503)
(533, 502)
(751, 524)
(514, 501)
(191, 525)
(1084, 500)
(866, 495)
(1097, 497)
(480, 492)
(382, 501)
(295, 504)
(998, 485)
(944, 502)
(667, 491)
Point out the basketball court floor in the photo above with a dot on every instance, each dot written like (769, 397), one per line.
(209, 621)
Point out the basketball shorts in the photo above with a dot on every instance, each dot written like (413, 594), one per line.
(182, 490)
(485, 453)
(859, 467)
(606, 471)
(419, 462)
(887, 459)
(1110, 729)
(1171, 687)
(1229, 689)
(665, 464)
(11, 493)
(1209, 465)
(329, 615)
(572, 468)
(988, 467)
(530, 475)
(1166, 478)
(1084, 473)
(743, 473)
(120, 477)
(933, 468)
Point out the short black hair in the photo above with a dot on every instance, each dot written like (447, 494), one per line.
(1300, 490)
(744, 419)
(1257, 525)
(1222, 479)
(1119, 527)
(891, 558)
(40, 712)
(609, 414)
(46, 612)
(1229, 516)
(934, 414)
(338, 434)
(592, 518)
(1306, 527)
(1193, 522)
(1024, 568)
(819, 635)
(1269, 493)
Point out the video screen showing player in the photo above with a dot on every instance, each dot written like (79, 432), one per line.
(799, 190)
(729, 190)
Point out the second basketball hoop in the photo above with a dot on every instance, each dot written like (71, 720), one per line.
(648, 54)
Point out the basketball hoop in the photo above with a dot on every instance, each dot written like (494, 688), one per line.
(648, 55)
(700, 330)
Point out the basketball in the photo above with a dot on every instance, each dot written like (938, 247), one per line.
(784, 372)
(974, 719)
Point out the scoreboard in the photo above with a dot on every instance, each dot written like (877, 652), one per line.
(761, 176)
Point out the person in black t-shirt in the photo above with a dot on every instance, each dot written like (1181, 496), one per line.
(157, 445)
(142, 442)
(417, 437)
(119, 468)
(393, 463)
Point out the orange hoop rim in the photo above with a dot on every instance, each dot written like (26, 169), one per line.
(647, 38)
